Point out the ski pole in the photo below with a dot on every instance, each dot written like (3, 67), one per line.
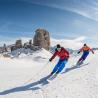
(38, 72)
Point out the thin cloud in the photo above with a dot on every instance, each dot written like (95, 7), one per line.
(86, 8)
(69, 43)
(80, 39)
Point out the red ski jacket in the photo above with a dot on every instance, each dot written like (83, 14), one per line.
(83, 49)
(63, 54)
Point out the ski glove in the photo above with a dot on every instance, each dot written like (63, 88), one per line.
(78, 52)
(50, 60)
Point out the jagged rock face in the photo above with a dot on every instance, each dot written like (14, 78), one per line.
(18, 44)
(42, 39)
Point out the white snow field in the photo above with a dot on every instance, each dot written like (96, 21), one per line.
(24, 77)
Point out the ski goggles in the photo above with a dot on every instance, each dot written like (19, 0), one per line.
(58, 49)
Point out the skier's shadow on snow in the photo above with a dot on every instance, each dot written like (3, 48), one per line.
(32, 86)
(74, 67)
(35, 85)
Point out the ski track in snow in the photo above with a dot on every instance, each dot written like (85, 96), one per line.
(76, 83)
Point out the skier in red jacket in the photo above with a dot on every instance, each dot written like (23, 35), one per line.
(63, 54)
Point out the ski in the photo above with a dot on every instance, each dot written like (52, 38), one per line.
(52, 77)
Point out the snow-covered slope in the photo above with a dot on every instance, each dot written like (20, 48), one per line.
(23, 77)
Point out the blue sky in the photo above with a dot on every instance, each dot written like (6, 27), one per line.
(64, 19)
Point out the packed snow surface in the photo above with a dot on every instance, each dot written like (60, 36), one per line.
(24, 77)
